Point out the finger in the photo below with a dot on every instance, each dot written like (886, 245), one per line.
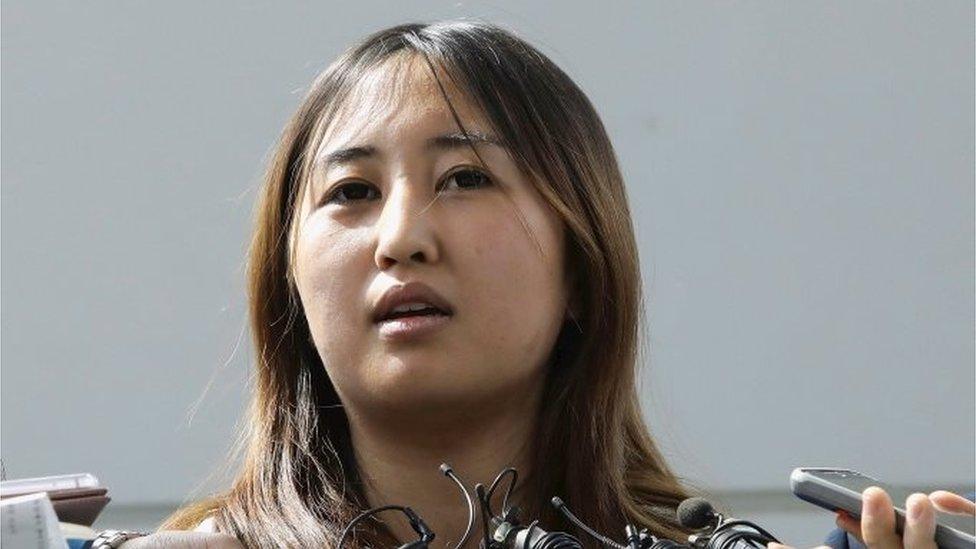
(878, 520)
(919, 523)
(850, 525)
(952, 503)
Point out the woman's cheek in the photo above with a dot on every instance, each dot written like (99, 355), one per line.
(517, 305)
(329, 284)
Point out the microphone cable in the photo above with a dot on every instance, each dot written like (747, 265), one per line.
(636, 539)
(562, 508)
(449, 472)
(418, 525)
(508, 491)
(727, 536)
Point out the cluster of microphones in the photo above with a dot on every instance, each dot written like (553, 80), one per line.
(507, 530)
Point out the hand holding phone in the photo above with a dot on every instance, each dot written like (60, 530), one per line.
(884, 522)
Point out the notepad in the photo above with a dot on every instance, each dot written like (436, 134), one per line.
(29, 521)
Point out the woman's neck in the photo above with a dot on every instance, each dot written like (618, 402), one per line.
(400, 464)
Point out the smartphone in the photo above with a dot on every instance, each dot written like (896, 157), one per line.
(835, 489)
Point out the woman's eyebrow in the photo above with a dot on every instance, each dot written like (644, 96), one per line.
(447, 141)
(456, 140)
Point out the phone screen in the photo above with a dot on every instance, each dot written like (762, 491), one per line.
(858, 483)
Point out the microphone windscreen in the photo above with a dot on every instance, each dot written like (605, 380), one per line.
(695, 513)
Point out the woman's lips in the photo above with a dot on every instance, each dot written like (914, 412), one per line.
(413, 327)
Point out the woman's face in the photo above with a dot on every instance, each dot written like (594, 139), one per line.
(369, 222)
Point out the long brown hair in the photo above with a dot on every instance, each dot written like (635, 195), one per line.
(298, 485)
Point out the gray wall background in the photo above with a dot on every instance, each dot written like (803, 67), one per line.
(801, 176)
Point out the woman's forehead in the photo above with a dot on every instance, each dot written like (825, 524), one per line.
(400, 95)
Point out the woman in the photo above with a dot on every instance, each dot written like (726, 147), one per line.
(454, 167)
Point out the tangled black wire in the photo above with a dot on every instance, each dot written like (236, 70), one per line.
(727, 535)
(418, 525)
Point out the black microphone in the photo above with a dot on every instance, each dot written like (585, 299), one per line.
(720, 532)
(636, 539)
(697, 513)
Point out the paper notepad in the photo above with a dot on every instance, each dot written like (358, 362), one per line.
(29, 521)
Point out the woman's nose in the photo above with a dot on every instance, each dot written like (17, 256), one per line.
(405, 229)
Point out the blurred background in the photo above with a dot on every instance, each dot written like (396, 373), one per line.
(801, 177)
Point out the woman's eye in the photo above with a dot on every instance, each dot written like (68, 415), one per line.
(469, 178)
(349, 193)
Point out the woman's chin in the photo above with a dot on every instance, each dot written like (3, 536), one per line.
(417, 401)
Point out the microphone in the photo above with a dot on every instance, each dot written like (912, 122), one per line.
(697, 513)
(509, 534)
(636, 539)
(720, 532)
(506, 532)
